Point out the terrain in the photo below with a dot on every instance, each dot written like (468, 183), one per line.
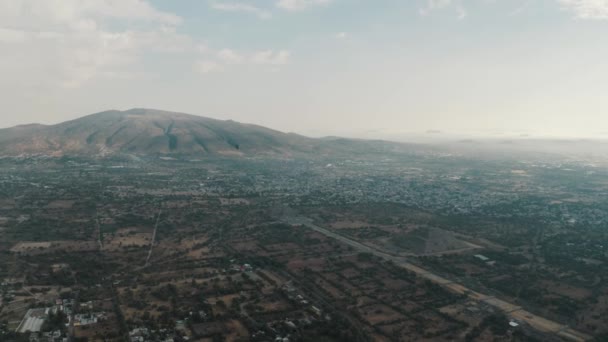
(153, 132)
(367, 241)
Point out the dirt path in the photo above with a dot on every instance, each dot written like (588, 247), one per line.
(99, 239)
(515, 311)
(153, 238)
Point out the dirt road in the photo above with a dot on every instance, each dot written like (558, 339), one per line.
(153, 238)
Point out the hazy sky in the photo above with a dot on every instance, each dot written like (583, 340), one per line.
(313, 66)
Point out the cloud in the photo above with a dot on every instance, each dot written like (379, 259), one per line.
(228, 56)
(261, 57)
(521, 8)
(270, 57)
(51, 44)
(205, 67)
(223, 59)
(287, 5)
(298, 5)
(432, 5)
(241, 7)
(69, 42)
(586, 9)
(437, 5)
(8, 35)
(77, 14)
(462, 13)
(341, 35)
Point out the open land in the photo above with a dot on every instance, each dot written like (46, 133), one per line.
(369, 248)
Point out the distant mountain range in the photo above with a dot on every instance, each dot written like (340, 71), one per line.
(149, 132)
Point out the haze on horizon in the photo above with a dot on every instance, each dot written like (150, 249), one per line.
(316, 67)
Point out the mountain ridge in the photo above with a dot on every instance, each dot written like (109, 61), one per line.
(151, 131)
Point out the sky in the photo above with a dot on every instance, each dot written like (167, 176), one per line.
(316, 67)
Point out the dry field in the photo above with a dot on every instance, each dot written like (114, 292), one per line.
(433, 323)
(458, 312)
(186, 244)
(350, 289)
(278, 280)
(200, 253)
(282, 247)
(100, 329)
(375, 314)
(407, 330)
(364, 300)
(573, 292)
(597, 316)
(7, 204)
(23, 247)
(238, 332)
(348, 224)
(234, 201)
(395, 284)
(36, 248)
(60, 204)
(246, 245)
(329, 288)
(315, 264)
(227, 299)
(176, 204)
(127, 237)
(75, 246)
(349, 273)
(277, 305)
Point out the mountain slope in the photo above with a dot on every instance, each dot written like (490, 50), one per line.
(148, 131)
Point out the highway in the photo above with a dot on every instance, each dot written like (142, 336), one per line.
(514, 311)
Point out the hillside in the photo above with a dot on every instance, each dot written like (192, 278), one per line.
(148, 131)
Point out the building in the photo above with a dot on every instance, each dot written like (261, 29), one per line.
(482, 257)
(33, 320)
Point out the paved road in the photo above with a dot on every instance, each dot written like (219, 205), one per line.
(512, 310)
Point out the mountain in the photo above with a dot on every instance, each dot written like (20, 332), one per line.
(149, 131)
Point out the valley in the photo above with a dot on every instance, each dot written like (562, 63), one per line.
(367, 247)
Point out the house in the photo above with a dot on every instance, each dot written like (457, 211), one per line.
(481, 257)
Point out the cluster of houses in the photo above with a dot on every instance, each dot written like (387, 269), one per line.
(294, 295)
(51, 336)
(142, 334)
(33, 321)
